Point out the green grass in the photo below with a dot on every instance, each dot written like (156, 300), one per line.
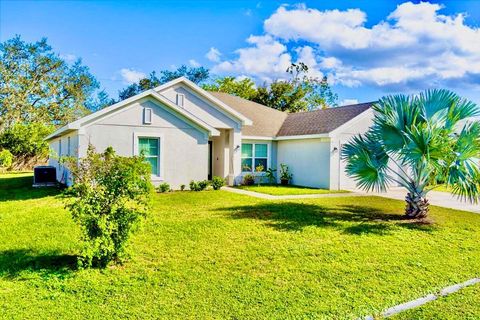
(279, 190)
(216, 254)
(460, 305)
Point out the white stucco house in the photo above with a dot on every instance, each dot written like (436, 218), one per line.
(189, 134)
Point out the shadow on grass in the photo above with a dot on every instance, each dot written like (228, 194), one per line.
(13, 187)
(351, 219)
(15, 262)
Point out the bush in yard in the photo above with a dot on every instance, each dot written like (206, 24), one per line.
(199, 185)
(194, 186)
(163, 187)
(6, 159)
(203, 184)
(248, 179)
(110, 196)
(217, 183)
(26, 142)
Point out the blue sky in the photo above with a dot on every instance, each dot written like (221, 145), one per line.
(367, 48)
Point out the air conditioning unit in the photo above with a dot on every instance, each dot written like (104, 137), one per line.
(44, 176)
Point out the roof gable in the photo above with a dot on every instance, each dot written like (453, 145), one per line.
(220, 105)
(91, 118)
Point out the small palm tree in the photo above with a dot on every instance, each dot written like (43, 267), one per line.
(416, 141)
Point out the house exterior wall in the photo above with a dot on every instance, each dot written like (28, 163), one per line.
(56, 153)
(307, 159)
(338, 176)
(184, 147)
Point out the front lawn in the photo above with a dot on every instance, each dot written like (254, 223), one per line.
(216, 254)
(279, 190)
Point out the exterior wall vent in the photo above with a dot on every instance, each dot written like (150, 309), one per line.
(180, 99)
(147, 116)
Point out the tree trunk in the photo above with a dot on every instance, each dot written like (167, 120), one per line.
(417, 206)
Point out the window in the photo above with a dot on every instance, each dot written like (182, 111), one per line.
(254, 155)
(150, 148)
(147, 116)
(180, 99)
(68, 146)
(60, 147)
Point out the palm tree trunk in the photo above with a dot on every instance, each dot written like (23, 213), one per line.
(417, 206)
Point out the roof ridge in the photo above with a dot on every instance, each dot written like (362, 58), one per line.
(339, 107)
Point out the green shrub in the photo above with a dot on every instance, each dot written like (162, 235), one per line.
(203, 184)
(6, 159)
(110, 196)
(182, 187)
(26, 140)
(163, 187)
(248, 179)
(217, 183)
(198, 185)
(194, 186)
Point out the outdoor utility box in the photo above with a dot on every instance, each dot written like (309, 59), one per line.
(44, 176)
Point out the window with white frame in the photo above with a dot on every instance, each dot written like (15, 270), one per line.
(150, 149)
(254, 155)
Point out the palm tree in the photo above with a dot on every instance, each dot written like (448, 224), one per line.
(415, 141)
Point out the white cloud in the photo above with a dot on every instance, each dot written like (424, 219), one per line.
(130, 76)
(414, 47)
(267, 58)
(213, 55)
(194, 63)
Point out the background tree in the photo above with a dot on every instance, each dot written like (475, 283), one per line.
(318, 94)
(195, 74)
(243, 88)
(26, 142)
(299, 93)
(424, 137)
(36, 85)
(283, 96)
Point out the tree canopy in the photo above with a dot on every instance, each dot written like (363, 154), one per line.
(427, 139)
(300, 93)
(37, 85)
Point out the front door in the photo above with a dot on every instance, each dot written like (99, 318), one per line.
(210, 156)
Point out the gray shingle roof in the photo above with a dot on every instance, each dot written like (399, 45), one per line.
(320, 121)
(268, 122)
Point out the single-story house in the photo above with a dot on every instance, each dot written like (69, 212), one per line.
(187, 133)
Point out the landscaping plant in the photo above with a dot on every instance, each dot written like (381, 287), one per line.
(248, 179)
(6, 159)
(424, 137)
(217, 183)
(163, 187)
(270, 174)
(110, 196)
(285, 175)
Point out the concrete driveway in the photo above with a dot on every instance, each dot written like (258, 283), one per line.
(436, 198)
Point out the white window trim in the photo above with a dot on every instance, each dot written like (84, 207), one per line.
(160, 137)
(182, 96)
(269, 164)
(147, 111)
